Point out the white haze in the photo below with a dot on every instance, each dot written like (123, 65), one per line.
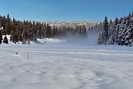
(77, 40)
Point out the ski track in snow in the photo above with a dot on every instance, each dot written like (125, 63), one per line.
(65, 67)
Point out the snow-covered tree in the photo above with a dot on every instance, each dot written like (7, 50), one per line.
(5, 40)
(119, 31)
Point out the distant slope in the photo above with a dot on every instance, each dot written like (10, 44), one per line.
(71, 23)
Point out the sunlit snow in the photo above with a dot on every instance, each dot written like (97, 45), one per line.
(65, 64)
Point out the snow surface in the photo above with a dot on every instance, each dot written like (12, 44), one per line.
(65, 64)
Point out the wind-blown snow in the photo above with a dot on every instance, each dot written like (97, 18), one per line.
(65, 64)
(49, 40)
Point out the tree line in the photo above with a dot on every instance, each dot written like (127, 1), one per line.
(119, 31)
(26, 31)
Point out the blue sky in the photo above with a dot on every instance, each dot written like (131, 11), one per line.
(65, 10)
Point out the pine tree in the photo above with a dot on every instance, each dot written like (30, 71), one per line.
(48, 31)
(0, 37)
(5, 40)
(116, 29)
(14, 37)
(106, 29)
(116, 21)
(104, 34)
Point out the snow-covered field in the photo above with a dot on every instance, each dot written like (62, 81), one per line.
(65, 64)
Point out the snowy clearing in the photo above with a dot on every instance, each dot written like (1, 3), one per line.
(62, 65)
